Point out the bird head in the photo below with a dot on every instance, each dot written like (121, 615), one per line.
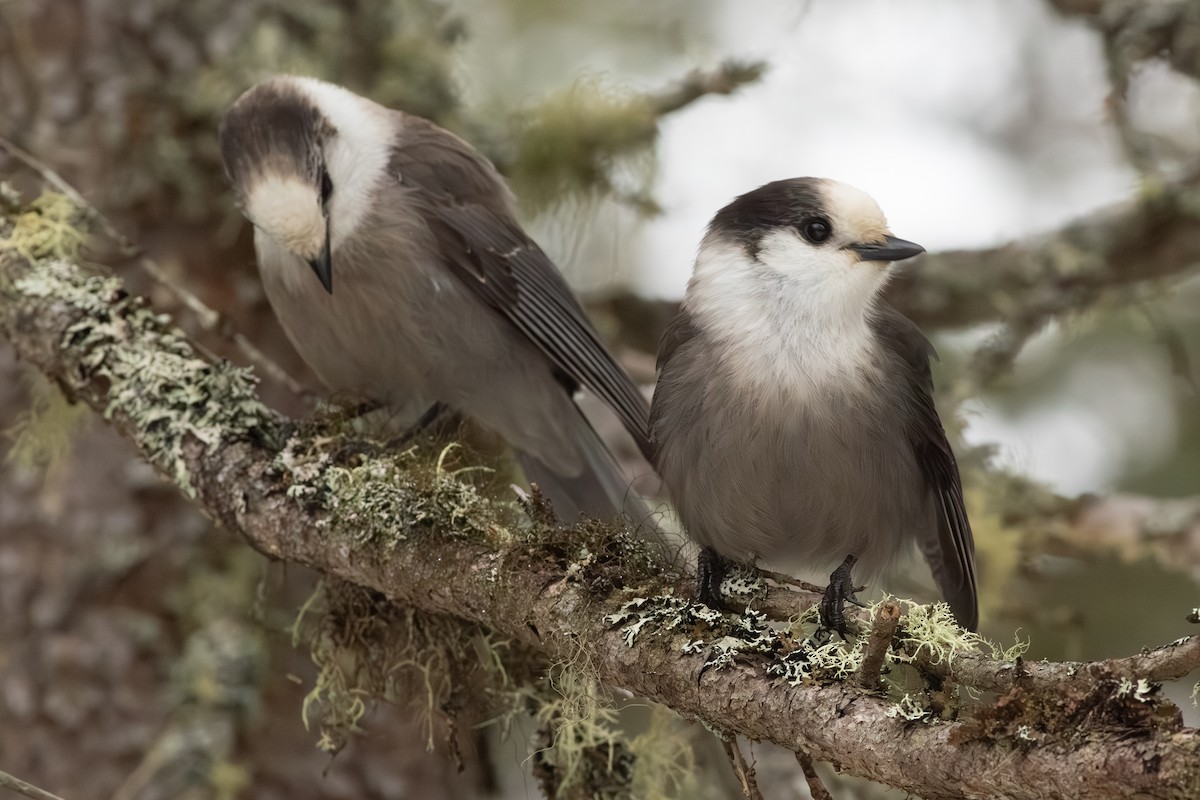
(304, 157)
(825, 241)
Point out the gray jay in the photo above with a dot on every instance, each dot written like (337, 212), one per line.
(793, 419)
(391, 253)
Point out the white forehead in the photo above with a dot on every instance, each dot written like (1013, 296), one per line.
(854, 213)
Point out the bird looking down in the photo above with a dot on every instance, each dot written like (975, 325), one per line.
(793, 420)
(391, 253)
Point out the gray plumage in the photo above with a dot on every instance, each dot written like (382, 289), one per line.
(793, 419)
(427, 289)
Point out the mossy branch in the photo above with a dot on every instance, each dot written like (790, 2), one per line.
(423, 538)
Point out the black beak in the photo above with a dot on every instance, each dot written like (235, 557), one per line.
(890, 249)
(322, 265)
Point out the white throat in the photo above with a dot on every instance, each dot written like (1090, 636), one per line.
(356, 157)
(799, 329)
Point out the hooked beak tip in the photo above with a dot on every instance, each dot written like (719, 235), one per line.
(890, 249)
(322, 267)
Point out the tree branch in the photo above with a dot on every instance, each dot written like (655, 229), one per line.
(725, 79)
(28, 789)
(429, 542)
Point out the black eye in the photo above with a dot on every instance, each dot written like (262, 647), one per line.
(326, 187)
(816, 230)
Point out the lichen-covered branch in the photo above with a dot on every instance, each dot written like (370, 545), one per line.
(423, 538)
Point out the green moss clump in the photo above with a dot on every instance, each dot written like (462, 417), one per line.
(570, 144)
(156, 381)
(384, 498)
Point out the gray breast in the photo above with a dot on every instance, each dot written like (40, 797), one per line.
(799, 482)
(400, 329)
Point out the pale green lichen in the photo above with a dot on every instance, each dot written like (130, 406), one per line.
(367, 649)
(819, 661)
(912, 708)
(385, 498)
(721, 638)
(582, 740)
(1027, 734)
(931, 631)
(1141, 691)
(665, 765)
(51, 227)
(156, 382)
(744, 585)
(581, 729)
(44, 433)
(802, 653)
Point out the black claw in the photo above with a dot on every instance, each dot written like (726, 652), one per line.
(356, 450)
(839, 591)
(711, 568)
(425, 422)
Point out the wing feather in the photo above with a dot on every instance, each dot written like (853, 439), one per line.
(468, 209)
(950, 550)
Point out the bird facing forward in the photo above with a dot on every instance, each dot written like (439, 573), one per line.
(793, 419)
(391, 253)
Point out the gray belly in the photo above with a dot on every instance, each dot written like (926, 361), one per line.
(798, 485)
(408, 334)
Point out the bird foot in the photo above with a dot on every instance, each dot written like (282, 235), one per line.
(840, 591)
(362, 448)
(711, 568)
(424, 423)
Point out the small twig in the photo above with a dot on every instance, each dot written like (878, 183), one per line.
(882, 631)
(1166, 663)
(725, 79)
(816, 787)
(788, 580)
(214, 321)
(1176, 347)
(744, 771)
(58, 182)
(28, 789)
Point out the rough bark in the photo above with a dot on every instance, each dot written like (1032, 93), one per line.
(1084, 743)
